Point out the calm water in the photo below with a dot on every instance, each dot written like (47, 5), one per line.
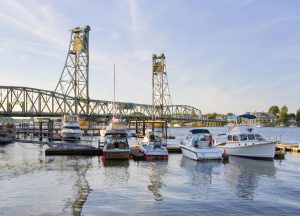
(32, 184)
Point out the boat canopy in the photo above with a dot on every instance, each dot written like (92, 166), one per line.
(197, 131)
(246, 116)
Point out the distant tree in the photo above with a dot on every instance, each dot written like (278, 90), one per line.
(274, 110)
(298, 117)
(229, 114)
(292, 116)
(283, 115)
(212, 115)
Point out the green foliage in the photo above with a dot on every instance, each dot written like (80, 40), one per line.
(212, 115)
(229, 114)
(298, 117)
(274, 110)
(137, 114)
(283, 115)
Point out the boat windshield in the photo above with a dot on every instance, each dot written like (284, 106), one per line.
(116, 137)
(259, 137)
(243, 137)
(251, 137)
(71, 127)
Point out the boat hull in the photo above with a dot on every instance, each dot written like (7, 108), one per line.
(6, 141)
(154, 153)
(256, 151)
(116, 154)
(71, 136)
(203, 153)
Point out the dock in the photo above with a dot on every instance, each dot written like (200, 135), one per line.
(76, 149)
(282, 147)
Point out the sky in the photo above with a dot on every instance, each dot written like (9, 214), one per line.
(221, 55)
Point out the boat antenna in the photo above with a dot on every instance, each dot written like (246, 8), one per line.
(114, 109)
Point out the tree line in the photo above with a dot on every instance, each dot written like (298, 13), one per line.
(283, 117)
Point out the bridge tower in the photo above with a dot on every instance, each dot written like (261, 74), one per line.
(161, 98)
(74, 80)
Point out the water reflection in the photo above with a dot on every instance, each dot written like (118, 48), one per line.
(245, 175)
(200, 171)
(157, 170)
(116, 172)
(81, 186)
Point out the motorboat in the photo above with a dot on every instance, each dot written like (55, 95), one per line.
(198, 146)
(153, 148)
(154, 136)
(70, 129)
(245, 141)
(7, 133)
(118, 125)
(116, 145)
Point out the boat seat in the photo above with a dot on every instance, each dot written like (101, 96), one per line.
(121, 145)
(111, 146)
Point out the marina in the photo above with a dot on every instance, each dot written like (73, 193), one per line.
(169, 108)
(81, 181)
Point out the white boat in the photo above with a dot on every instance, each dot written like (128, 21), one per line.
(198, 146)
(154, 136)
(116, 146)
(244, 141)
(152, 146)
(70, 129)
(118, 125)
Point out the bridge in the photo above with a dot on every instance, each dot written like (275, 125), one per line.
(72, 93)
(31, 102)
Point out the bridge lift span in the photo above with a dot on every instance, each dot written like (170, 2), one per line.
(71, 94)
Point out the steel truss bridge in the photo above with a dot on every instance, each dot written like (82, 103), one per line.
(71, 95)
(31, 102)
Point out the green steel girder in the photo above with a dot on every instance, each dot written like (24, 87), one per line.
(26, 102)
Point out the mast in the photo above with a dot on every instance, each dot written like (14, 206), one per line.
(114, 108)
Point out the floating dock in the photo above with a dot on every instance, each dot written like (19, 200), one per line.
(79, 149)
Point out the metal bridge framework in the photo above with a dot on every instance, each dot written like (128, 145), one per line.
(29, 102)
(71, 94)
(161, 97)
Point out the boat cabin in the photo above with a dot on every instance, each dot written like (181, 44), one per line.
(246, 133)
(199, 138)
(116, 140)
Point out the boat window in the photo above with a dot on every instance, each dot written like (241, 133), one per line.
(235, 138)
(243, 137)
(251, 137)
(229, 138)
(71, 127)
(259, 137)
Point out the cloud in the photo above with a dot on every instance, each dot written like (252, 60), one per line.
(35, 19)
(245, 4)
(133, 7)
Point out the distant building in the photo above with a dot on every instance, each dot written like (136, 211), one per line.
(264, 118)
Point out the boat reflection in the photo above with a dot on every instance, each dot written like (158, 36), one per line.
(116, 172)
(245, 174)
(157, 170)
(200, 172)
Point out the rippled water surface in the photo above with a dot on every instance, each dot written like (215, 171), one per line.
(32, 184)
